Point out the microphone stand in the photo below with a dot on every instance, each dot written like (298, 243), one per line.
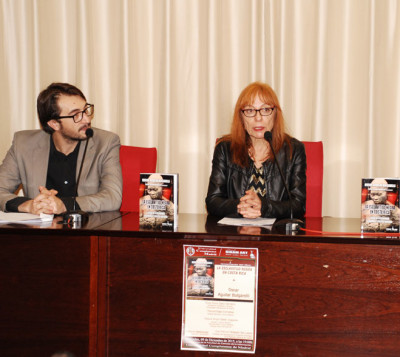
(76, 218)
(292, 225)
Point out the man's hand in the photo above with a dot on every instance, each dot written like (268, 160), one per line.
(45, 202)
(52, 201)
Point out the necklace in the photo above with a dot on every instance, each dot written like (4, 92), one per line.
(252, 156)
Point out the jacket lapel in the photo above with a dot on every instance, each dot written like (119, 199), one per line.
(41, 162)
(39, 165)
(90, 153)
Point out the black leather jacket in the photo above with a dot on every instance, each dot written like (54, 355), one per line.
(228, 182)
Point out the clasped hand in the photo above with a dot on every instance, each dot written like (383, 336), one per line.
(45, 202)
(249, 205)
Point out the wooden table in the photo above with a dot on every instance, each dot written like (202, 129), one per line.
(110, 289)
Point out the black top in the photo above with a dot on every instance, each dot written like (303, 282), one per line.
(61, 171)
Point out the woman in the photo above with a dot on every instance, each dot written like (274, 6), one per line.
(245, 179)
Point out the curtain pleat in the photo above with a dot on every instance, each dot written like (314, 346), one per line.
(167, 73)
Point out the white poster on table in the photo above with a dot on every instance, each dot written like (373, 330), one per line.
(219, 304)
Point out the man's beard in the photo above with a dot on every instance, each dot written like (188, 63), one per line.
(68, 137)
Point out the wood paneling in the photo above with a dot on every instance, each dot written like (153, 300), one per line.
(44, 294)
(109, 289)
(314, 299)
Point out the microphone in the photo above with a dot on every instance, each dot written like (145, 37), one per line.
(291, 224)
(77, 217)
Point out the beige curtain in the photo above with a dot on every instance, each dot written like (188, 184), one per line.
(166, 73)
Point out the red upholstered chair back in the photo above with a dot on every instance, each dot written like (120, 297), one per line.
(315, 173)
(134, 160)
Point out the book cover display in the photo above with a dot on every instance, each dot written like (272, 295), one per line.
(158, 201)
(380, 205)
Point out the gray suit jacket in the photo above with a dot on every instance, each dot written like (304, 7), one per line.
(100, 186)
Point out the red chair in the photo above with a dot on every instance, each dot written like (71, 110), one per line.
(134, 161)
(314, 173)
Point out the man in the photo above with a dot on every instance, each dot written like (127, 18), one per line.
(46, 162)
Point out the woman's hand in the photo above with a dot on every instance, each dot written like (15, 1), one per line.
(250, 205)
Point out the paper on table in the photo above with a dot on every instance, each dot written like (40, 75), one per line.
(255, 222)
(14, 217)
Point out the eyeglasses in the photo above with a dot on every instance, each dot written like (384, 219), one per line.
(89, 111)
(251, 112)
